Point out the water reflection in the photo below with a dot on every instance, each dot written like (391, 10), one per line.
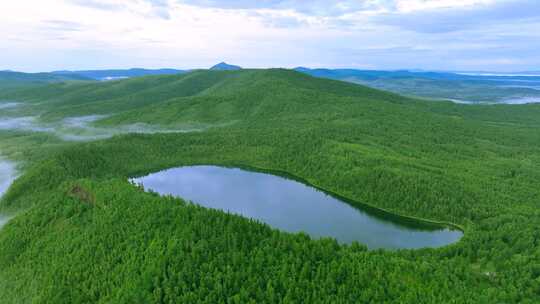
(291, 206)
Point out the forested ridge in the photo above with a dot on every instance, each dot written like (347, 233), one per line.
(84, 234)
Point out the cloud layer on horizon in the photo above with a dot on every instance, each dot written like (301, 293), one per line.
(384, 34)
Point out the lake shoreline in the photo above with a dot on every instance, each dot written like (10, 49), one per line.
(440, 224)
(191, 182)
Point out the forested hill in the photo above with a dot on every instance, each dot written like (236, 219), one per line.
(202, 89)
(12, 80)
(83, 234)
(225, 96)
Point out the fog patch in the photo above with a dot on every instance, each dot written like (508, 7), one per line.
(27, 123)
(8, 173)
(458, 101)
(8, 105)
(509, 101)
(3, 221)
(521, 100)
(81, 128)
(112, 78)
(81, 121)
(144, 128)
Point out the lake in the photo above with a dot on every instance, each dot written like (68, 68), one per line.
(292, 206)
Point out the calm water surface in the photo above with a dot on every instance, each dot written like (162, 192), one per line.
(292, 206)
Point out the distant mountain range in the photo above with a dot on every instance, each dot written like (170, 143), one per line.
(38, 77)
(12, 80)
(459, 87)
(119, 74)
(397, 74)
(137, 72)
(466, 87)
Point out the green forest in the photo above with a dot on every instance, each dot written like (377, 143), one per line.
(82, 233)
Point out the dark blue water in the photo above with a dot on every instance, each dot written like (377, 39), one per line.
(293, 207)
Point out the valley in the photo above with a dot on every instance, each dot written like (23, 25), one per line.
(270, 152)
(79, 219)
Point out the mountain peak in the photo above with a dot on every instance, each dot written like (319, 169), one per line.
(225, 67)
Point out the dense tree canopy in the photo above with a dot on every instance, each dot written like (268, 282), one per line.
(84, 234)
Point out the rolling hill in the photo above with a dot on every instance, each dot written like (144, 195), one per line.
(13, 80)
(82, 233)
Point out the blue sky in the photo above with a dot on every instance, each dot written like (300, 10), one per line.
(474, 35)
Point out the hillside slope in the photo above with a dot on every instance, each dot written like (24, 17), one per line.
(84, 234)
(13, 80)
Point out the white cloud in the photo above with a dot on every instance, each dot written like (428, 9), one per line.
(408, 6)
(436, 34)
